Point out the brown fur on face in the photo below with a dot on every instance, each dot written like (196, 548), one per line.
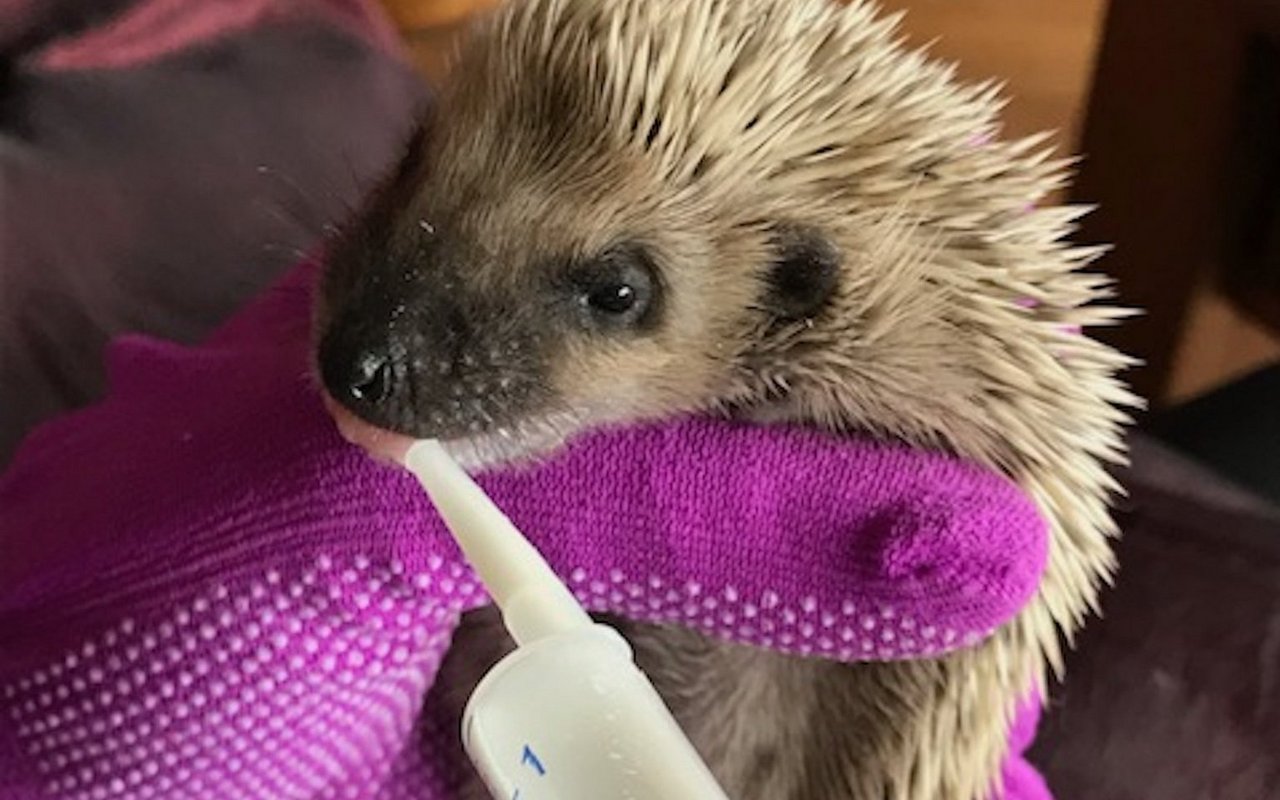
(827, 233)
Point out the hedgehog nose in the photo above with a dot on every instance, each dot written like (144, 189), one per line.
(370, 378)
(360, 374)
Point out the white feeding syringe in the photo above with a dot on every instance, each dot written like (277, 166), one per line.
(567, 715)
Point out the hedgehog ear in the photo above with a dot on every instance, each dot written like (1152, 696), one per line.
(803, 274)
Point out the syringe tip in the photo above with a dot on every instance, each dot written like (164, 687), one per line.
(533, 601)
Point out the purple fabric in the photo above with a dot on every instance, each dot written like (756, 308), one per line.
(206, 593)
(1019, 780)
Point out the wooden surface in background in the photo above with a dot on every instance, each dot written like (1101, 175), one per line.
(1218, 343)
(1160, 127)
(1043, 49)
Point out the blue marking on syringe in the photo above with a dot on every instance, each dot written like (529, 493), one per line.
(530, 758)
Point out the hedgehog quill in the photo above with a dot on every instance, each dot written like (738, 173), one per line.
(622, 210)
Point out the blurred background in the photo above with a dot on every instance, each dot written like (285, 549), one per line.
(163, 160)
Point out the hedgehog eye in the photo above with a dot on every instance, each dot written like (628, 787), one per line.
(616, 290)
(611, 298)
(803, 274)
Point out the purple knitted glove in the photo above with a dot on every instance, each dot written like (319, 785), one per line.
(204, 592)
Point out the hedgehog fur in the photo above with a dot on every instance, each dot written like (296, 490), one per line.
(708, 130)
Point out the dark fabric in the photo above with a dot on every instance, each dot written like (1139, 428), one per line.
(1236, 428)
(157, 198)
(1175, 692)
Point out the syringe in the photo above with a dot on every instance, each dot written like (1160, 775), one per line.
(568, 715)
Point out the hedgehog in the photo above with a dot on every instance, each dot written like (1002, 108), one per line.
(773, 210)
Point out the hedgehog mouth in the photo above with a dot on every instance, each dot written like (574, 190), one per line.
(525, 440)
(381, 443)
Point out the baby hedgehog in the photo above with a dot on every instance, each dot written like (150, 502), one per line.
(625, 210)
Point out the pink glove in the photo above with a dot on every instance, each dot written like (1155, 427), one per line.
(205, 592)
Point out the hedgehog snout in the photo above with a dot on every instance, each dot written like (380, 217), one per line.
(438, 371)
(364, 371)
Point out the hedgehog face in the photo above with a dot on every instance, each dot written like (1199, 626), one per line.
(625, 210)
(506, 311)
